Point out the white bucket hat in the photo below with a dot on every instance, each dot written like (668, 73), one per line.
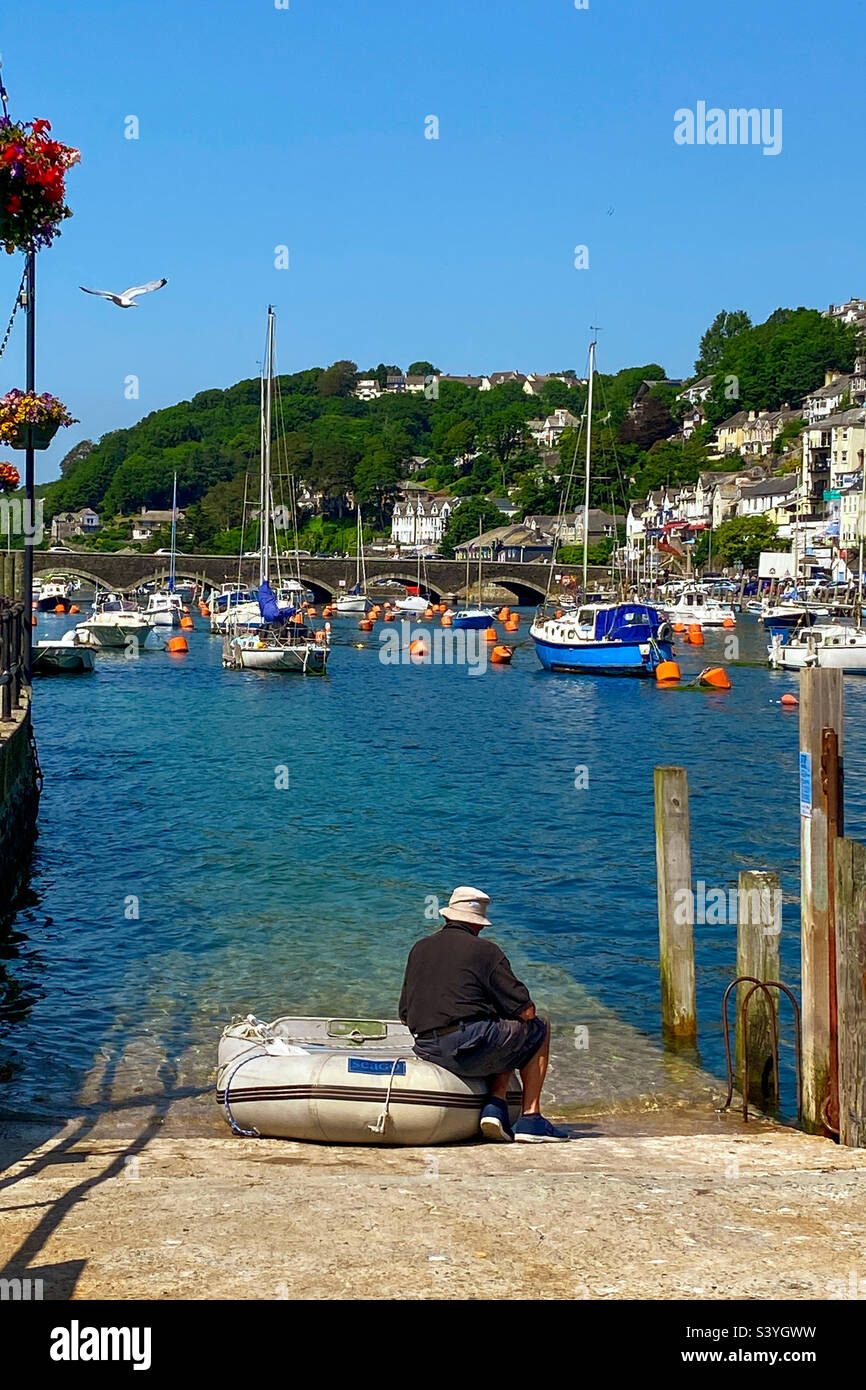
(467, 905)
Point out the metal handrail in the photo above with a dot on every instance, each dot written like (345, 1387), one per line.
(13, 639)
(764, 986)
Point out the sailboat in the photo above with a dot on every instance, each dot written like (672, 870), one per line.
(283, 642)
(164, 607)
(415, 603)
(602, 639)
(474, 616)
(356, 600)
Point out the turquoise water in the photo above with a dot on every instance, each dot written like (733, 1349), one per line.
(175, 884)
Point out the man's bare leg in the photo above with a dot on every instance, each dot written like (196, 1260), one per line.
(532, 1076)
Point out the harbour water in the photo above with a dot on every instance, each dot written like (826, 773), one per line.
(178, 881)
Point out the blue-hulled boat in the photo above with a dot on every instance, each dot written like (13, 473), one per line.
(476, 619)
(604, 639)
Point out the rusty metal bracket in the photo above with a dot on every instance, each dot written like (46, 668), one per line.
(764, 986)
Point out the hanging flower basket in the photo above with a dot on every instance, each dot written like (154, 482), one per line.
(32, 184)
(28, 420)
(10, 478)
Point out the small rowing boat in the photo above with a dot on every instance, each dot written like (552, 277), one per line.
(342, 1081)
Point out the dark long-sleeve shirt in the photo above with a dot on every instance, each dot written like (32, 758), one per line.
(453, 976)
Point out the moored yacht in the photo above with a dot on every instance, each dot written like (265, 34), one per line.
(604, 639)
(825, 645)
(692, 605)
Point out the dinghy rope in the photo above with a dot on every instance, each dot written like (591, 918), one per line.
(379, 1126)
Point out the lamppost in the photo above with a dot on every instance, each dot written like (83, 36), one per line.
(33, 169)
(29, 466)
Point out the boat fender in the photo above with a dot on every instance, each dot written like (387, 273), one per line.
(665, 633)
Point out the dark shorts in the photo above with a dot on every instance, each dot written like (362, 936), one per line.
(485, 1048)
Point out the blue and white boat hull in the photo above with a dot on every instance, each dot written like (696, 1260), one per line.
(603, 658)
(626, 639)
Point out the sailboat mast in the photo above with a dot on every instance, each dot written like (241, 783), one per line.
(588, 448)
(173, 561)
(264, 562)
(858, 609)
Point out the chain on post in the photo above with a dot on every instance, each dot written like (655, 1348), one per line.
(19, 302)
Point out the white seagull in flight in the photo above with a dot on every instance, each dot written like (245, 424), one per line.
(126, 298)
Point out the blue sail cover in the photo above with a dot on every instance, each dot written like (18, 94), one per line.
(269, 608)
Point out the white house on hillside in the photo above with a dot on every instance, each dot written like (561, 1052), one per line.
(420, 521)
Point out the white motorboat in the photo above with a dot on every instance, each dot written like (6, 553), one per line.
(413, 604)
(164, 608)
(68, 656)
(827, 645)
(694, 606)
(116, 623)
(342, 1081)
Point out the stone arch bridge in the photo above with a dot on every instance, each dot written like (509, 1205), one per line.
(326, 578)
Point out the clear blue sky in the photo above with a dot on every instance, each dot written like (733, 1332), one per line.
(305, 127)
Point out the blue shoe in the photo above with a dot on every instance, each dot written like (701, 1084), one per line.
(495, 1123)
(535, 1129)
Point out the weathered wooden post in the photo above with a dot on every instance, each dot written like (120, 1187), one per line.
(759, 922)
(676, 904)
(851, 990)
(821, 707)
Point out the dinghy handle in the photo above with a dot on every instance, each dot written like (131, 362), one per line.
(235, 1127)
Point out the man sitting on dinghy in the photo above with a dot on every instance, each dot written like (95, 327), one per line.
(471, 1015)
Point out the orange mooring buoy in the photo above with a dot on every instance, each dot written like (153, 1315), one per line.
(728, 622)
(418, 647)
(177, 646)
(60, 608)
(714, 678)
(696, 634)
(667, 672)
(390, 616)
(321, 635)
(365, 625)
(187, 622)
(500, 656)
(512, 623)
(491, 635)
(74, 608)
(447, 620)
(679, 627)
(789, 701)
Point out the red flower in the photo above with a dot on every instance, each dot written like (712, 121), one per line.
(13, 204)
(38, 126)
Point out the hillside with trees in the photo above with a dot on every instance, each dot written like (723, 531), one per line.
(342, 451)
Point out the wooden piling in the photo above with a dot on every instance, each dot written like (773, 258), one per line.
(675, 904)
(850, 884)
(759, 918)
(821, 707)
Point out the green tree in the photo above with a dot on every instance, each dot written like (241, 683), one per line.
(726, 325)
(421, 369)
(741, 540)
(340, 379)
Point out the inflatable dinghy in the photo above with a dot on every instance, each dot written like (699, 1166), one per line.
(342, 1081)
